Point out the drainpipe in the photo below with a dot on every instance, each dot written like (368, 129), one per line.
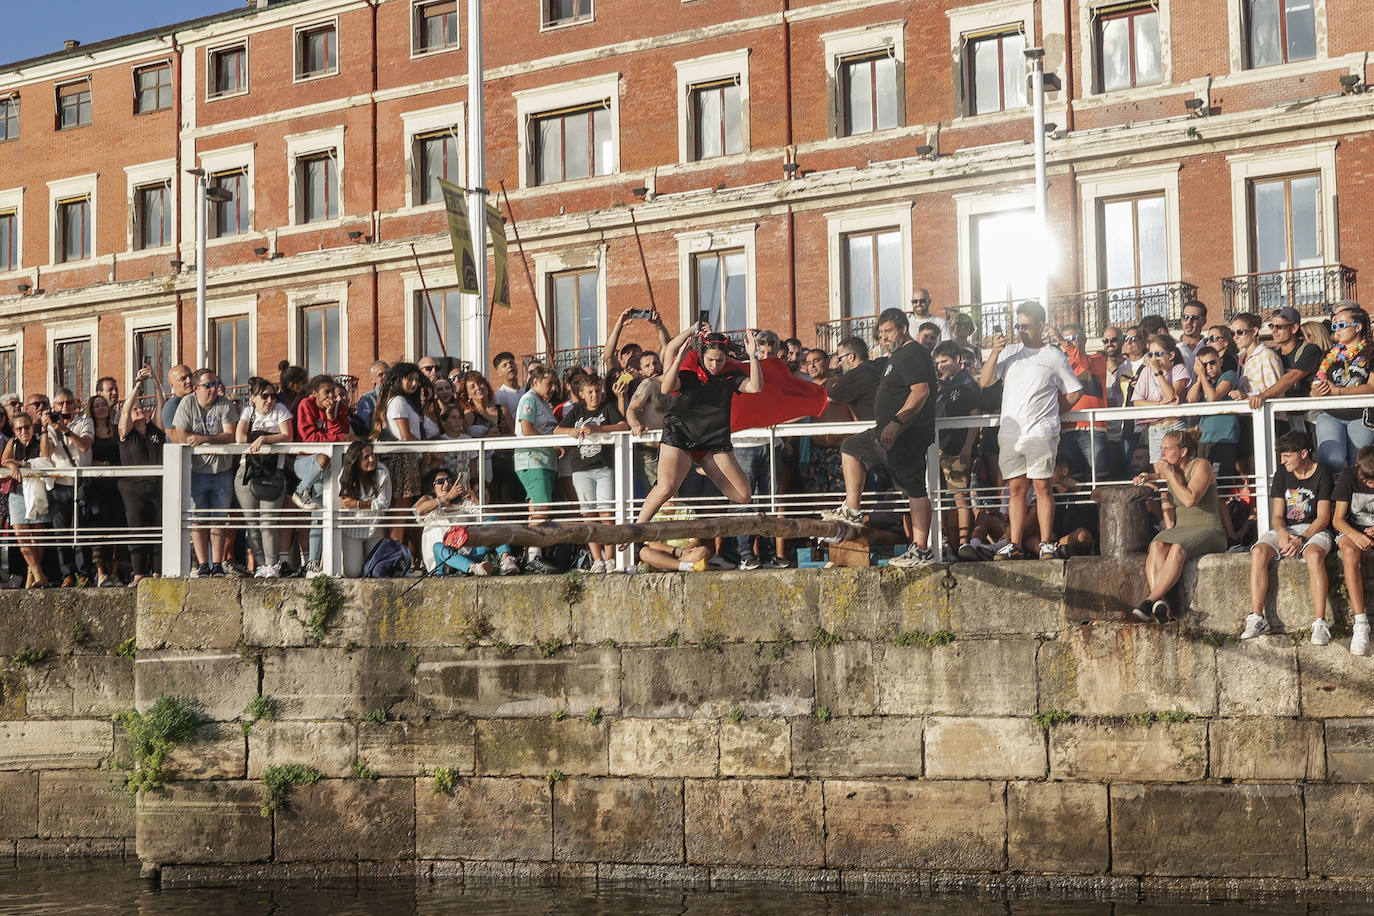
(1075, 225)
(176, 170)
(787, 126)
(376, 219)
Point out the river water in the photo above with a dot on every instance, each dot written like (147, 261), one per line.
(104, 886)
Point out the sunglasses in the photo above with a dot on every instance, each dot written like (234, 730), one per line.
(1213, 338)
(19, 429)
(1111, 340)
(1342, 325)
(1022, 327)
(1192, 317)
(1131, 338)
(210, 385)
(1279, 326)
(1241, 332)
(443, 480)
(920, 302)
(1159, 354)
(268, 396)
(429, 368)
(1209, 363)
(1071, 338)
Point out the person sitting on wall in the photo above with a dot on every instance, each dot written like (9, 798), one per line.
(1354, 524)
(1300, 497)
(447, 504)
(676, 554)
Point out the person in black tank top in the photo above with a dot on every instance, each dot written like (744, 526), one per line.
(696, 428)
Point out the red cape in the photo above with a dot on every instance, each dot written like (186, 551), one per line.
(784, 397)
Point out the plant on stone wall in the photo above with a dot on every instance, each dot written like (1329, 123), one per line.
(376, 716)
(279, 780)
(153, 734)
(1175, 715)
(669, 641)
(594, 715)
(548, 648)
(556, 776)
(558, 715)
(736, 715)
(821, 638)
(261, 707)
(823, 713)
(78, 634)
(713, 641)
(572, 587)
(323, 602)
(1052, 717)
(28, 656)
(127, 649)
(362, 771)
(444, 779)
(928, 640)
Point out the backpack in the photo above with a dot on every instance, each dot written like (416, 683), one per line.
(388, 560)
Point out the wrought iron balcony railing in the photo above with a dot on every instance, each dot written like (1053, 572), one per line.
(830, 333)
(1095, 309)
(562, 360)
(1310, 290)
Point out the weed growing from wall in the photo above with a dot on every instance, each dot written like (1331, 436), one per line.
(278, 781)
(153, 734)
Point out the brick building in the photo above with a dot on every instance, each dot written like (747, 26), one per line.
(790, 164)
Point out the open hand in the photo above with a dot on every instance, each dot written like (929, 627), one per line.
(751, 344)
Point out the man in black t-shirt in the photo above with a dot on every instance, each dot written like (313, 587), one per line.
(956, 395)
(858, 383)
(904, 407)
(1298, 358)
(1354, 524)
(1300, 495)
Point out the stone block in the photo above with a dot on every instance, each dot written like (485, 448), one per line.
(410, 748)
(1217, 594)
(778, 603)
(1340, 824)
(82, 621)
(1020, 599)
(372, 612)
(344, 819)
(485, 682)
(84, 804)
(1251, 830)
(949, 825)
(522, 610)
(335, 683)
(1257, 677)
(535, 747)
(1122, 670)
(1157, 752)
(664, 747)
(326, 746)
(218, 750)
(754, 822)
(61, 847)
(221, 683)
(631, 611)
(1102, 588)
(989, 677)
(189, 614)
(974, 748)
(844, 678)
(76, 744)
(82, 686)
(18, 805)
(563, 875)
(13, 684)
(755, 747)
(485, 818)
(1250, 749)
(866, 746)
(1350, 750)
(1334, 683)
(849, 601)
(688, 681)
(1057, 827)
(214, 822)
(657, 875)
(618, 820)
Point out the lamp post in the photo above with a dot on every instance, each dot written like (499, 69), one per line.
(1036, 56)
(204, 194)
(477, 188)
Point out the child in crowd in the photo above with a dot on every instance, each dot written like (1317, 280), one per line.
(1354, 524)
(592, 471)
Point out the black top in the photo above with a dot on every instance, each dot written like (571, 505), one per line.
(1360, 495)
(1300, 496)
(699, 417)
(1307, 357)
(910, 365)
(142, 448)
(957, 396)
(105, 450)
(589, 455)
(856, 388)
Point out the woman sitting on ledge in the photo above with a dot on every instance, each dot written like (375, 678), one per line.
(1192, 523)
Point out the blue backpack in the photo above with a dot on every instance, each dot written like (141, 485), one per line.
(388, 560)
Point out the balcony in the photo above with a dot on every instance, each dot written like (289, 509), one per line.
(1310, 290)
(1094, 309)
(563, 360)
(830, 333)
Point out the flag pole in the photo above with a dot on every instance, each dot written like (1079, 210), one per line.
(478, 326)
(524, 262)
(429, 303)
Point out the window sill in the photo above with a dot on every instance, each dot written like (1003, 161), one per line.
(573, 184)
(420, 53)
(73, 265)
(217, 96)
(1138, 94)
(1284, 71)
(167, 249)
(566, 23)
(222, 240)
(996, 117)
(311, 77)
(726, 160)
(315, 226)
(419, 209)
(63, 130)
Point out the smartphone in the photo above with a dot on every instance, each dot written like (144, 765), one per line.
(644, 314)
(625, 377)
(704, 317)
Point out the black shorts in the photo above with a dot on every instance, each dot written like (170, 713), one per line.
(681, 435)
(905, 461)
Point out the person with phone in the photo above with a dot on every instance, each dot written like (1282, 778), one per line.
(615, 358)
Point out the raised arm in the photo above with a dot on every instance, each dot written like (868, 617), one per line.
(609, 355)
(755, 383)
(672, 360)
(988, 377)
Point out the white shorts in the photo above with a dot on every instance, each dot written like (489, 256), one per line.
(1320, 540)
(1027, 456)
(595, 490)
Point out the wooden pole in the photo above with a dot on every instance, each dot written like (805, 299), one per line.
(548, 534)
(524, 262)
(438, 331)
(643, 265)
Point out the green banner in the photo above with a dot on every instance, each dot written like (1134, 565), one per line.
(460, 233)
(500, 286)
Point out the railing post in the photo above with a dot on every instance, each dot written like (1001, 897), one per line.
(331, 538)
(482, 477)
(1263, 420)
(622, 472)
(933, 489)
(176, 495)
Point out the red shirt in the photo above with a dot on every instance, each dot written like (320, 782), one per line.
(313, 426)
(1092, 372)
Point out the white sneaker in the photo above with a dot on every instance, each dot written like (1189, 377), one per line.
(915, 557)
(305, 501)
(598, 566)
(1255, 625)
(843, 513)
(480, 569)
(1048, 551)
(270, 571)
(1321, 633)
(508, 565)
(313, 570)
(1359, 638)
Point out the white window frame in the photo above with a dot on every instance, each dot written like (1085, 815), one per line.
(210, 52)
(415, 124)
(973, 204)
(699, 70)
(1235, 28)
(415, 50)
(153, 65)
(546, 26)
(146, 320)
(235, 307)
(57, 102)
(226, 159)
(13, 199)
(14, 340)
(548, 263)
(296, 75)
(298, 300)
(1247, 167)
(846, 44)
(300, 146)
(141, 176)
(445, 278)
(62, 331)
(705, 241)
(1094, 188)
(1087, 76)
(66, 189)
(531, 103)
(866, 219)
(968, 23)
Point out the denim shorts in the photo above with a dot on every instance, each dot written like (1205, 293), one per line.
(213, 492)
(19, 514)
(595, 489)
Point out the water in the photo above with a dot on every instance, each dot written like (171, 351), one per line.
(104, 886)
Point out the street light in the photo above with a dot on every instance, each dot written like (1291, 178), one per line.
(1036, 57)
(204, 194)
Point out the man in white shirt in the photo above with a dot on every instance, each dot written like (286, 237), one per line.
(509, 392)
(1033, 376)
(920, 314)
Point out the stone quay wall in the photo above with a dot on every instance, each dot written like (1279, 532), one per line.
(997, 726)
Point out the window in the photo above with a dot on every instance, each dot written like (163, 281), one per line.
(9, 241)
(317, 51)
(316, 177)
(872, 272)
(870, 93)
(319, 332)
(717, 121)
(1134, 242)
(996, 276)
(1278, 31)
(9, 369)
(74, 105)
(152, 216)
(230, 217)
(1128, 48)
(558, 12)
(996, 77)
(153, 348)
(436, 156)
(228, 70)
(445, 308)
(574, 144)
(574, 299)
(230, 355)
(74, 229)
(72, 366)
(436, 26)
(1286, 223)
(152, 88)
(9, 118)
(720, 289)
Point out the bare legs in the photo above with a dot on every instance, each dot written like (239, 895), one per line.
(1261, 555)
(1163, 567)
(1354, 576)
(674, 465)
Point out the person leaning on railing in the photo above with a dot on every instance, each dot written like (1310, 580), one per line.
(364, 497)
(19, 452)
(1220, 432)
(140, 442)
(319, 419)
(261, 480)
(537, 468)
(99, 496)
(1162, 381)
(206, 418)
(1345, 371)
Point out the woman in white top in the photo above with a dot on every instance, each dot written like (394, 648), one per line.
(400, 418)
(365, 496)
(260, 482)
